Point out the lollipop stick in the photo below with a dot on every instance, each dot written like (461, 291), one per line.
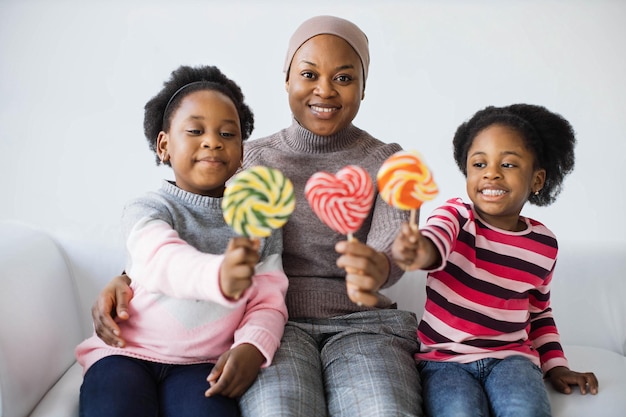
(413, 220)
(256, 242)
(351, 270)
(414, 227)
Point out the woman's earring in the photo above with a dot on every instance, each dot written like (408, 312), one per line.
(537, 192)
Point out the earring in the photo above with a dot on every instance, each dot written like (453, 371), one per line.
(537, 192)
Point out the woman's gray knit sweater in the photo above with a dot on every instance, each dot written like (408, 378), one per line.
(316, 285)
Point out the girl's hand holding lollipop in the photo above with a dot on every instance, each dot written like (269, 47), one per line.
(256, 201)
(405, 182)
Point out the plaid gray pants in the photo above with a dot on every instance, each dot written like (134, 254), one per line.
(357, 365)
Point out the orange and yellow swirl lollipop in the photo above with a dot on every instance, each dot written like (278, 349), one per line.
(405, 182)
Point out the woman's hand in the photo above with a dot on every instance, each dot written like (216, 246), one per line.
(561, 378)
(366, 271)
(235, 371)
(240, 258)
(112, 302)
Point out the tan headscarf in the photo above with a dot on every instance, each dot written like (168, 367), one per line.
(330, 25)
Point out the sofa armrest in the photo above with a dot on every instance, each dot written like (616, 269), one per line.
(40, 324)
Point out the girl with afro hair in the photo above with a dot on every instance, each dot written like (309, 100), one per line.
(488, 336)
(206, 316)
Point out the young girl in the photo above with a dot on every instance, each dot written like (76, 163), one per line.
(198, 298)
(487, 332)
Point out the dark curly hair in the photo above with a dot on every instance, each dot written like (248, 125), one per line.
(548, 135)
(159, 109)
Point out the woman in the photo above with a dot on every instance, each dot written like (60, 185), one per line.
(346, 350)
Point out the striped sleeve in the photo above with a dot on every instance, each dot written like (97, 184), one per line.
(543, 331)
(443, 227)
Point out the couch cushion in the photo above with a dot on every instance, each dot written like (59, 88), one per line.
(62, 399)
(610, 369)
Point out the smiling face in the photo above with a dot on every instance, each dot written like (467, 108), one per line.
(325, 84)
(204, 144)
(501, 175)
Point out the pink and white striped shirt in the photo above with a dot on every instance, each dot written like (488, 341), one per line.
(490, 298)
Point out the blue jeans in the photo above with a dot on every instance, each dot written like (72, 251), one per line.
(487, 387)
(117, 386)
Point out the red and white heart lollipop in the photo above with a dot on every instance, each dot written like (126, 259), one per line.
(343, 200)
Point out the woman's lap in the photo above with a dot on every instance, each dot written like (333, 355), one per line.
(358, 364)
(372, 374)
(292, 385)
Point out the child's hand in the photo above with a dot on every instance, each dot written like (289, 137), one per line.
(366, 271)
(561, 378)
(235, 371)
(413, 251)
(241, 255)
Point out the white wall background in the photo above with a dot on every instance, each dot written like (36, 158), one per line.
(74, 76)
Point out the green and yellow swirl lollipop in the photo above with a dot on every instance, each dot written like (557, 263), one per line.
(258, 200)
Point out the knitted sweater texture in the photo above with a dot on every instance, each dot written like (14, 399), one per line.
(179, 315)
(491, 296)
(316, 285)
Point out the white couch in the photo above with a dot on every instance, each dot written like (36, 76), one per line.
(48, 283)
